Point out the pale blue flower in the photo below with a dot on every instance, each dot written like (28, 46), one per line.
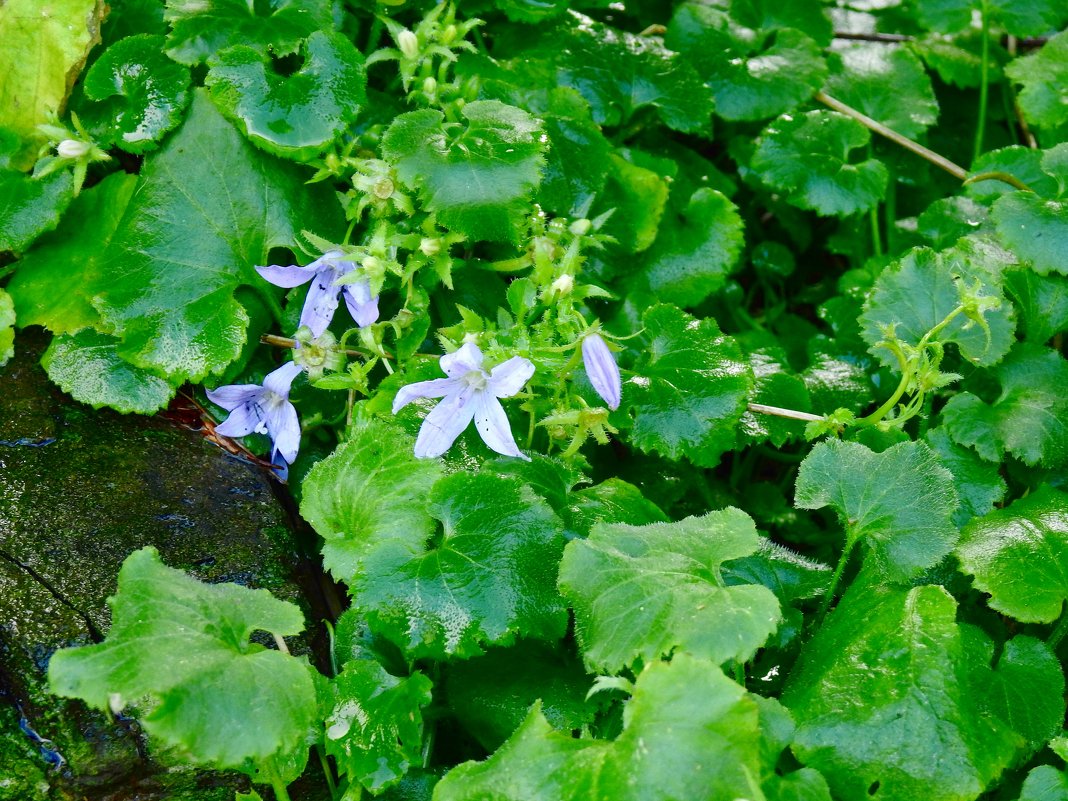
(469, 393)
(264, 410)
(322, 300)
(601, 367)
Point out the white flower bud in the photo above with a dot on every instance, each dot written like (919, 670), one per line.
(580, 227)
(430, 87)
(562, 285)
(602, 370)
(429, 246)
(408, 44)
(72, 148)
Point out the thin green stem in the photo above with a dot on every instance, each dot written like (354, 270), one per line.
(984, 84)
(890, 213)
(280, 791)
(873, 217)
(939, 161)
(270, 301)
(328, 772)
(1004, 177)
(843, 560)
(1059, 632)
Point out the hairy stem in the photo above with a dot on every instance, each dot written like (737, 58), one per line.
(941, 162)
(984, 84)
(843, 560)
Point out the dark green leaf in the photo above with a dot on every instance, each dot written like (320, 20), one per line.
(948, 219)
(1027, 690)
(898, 503)
(808, 16)
(1035, 229)
(611, 501)
(477, 177)
(790, 576)
(775, 386)
(1027, 420)
(689, 390)
(31, 206)
(642, 592)
(978, 483)
(1032, 18)
(638, 197)
(1041, 303)
(807, 158)
(184, 644)
(294, 116)
(1019, 555)
(1043, 76)
(140, 94)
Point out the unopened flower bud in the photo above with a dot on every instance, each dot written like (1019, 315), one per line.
(383, 189)
(72, 148)
(601, 367)
(408, 44)
(429, 246)
(430, 87)
(562, 285)
(448, 34)
(580, 227)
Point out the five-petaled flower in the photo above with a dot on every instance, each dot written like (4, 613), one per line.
(322, 300)
(602, 369)
(263, 410)
(468, 393)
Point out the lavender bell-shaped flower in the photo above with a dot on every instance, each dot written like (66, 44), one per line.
(469, 393)
(322, 299)
(602, 369)
(264, 410)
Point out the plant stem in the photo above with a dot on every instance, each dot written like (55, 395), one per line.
(941, 162)
(760, 408)
(270, 301)
(984, 83)
(280, 792)
(843, 560)
(331, 785)
(890, 213)
(1059, 632)
(1005, 177)
(286, 342)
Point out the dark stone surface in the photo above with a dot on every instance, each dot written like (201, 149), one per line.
(79, 491)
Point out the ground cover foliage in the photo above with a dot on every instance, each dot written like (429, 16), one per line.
(756, 310)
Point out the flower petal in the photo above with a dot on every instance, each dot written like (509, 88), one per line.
(444, 424)
(462, 361)
(321, 302)
(243, 420)
(493, 426)
(279, 465)
(435, 388)
(233, 395)
(362, 307)
(508, 378)
(601, 367)
(279, 381)
(288, 277)
(284, 428)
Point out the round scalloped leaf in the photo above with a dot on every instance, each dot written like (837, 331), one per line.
(978, 482)
(31, 206)
(689, 389)
(485, 577)
(201, 28)
(219, 697)
(1029, 419)
(891, 693)
(887, 83)
(807, 16)
(917, 292)
(1019, 555)
(1030, 18)
(140, 94)
(369, 490)
(1041, 302)
(807, 159)
(295, 116)
(478, 177)
(1045, 783)
(899, 503)
(87, 365)
(1035, 229)
(753, 75)
(645, 592)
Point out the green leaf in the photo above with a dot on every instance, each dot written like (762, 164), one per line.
(201, 28)
(156, 263)
(88, 367)
(1022, 163)
(295, 116)
(775, 386)
(808, 16)
(477, 177)
(576, 164)
(752, 74)
(948, 219)
(887, 83)
(807, 158)
(486, 576)
(694, 251)
(141, 94)
(1032, 18)
(790, 576)
(1019, 555)
(689, 732)
(979, 484)
(1041, 302)
(1043, 76)
(31, 206)
(371, 489)
(638, 197)
(920, 290)
(1045, 783)
(642, 592)
(689, 389)
(898, 503)
(491, 694)
(185, 645)
(375, 725)
(44, 49)
(889, 694)
(1027, 419)
(957, 60)
(7, 328)
(1027, 690)
(611, 501)
(1035, 229)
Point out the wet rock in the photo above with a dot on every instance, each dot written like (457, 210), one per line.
(79, 491)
